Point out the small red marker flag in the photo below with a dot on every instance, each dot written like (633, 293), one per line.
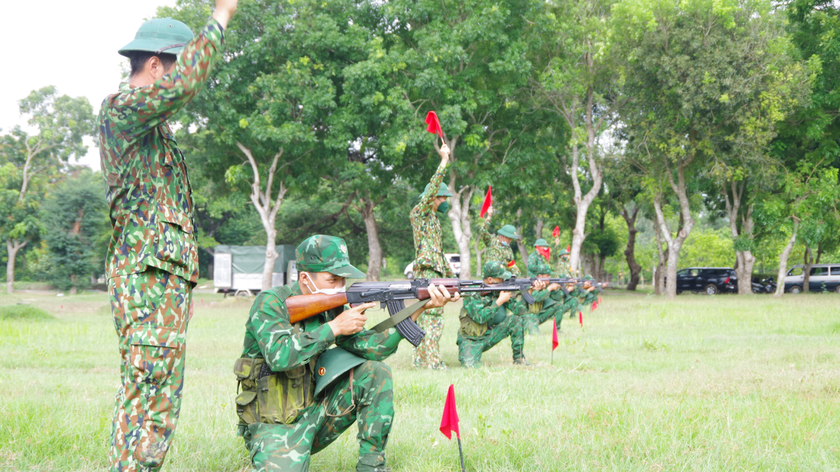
(488, 201)
(554, 341)
(545, 252)
(449, 421)
(580, 318)
(569, 248)
(434, 124)
(595, 304)
(556, 232)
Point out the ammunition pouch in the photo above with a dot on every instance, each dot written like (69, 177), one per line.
(469, 327)
(272, 397)
(535, 308)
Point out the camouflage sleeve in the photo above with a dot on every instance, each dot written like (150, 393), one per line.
(484, 231)
(147, 107)
(517, 306)
(427, 200)
(540, 295)
(480, 309)
(280, 345)
(371, 345)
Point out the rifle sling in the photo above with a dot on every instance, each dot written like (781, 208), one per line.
(394, 319)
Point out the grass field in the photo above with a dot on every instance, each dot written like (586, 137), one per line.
(701, 384)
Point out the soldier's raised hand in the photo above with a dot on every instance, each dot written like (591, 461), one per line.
(224, 11)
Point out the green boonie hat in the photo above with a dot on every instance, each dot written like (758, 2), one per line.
(331, 365)
(563, 252)
(508, 231)
(537, 267)
(541, 242)
(496, 269)
(443, 191)
(159, 35)
(321, 253)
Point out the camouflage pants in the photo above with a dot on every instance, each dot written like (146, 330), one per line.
(288, 447)
(151, 311)
(471, 348)
(531, 321)
(427, 354)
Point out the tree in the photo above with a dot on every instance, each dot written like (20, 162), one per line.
(576, 81)
(76, 230)
(58, 124)
(701, 77)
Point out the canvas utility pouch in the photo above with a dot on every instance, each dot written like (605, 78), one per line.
(281, 396)
(247, 371)
(469, 327)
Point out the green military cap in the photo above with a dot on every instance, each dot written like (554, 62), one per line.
(443, 191)
(331, 365)
(496, 269)
(562, 252)
(321, 253)
(541, 242)
(508, 231)
(159, 35)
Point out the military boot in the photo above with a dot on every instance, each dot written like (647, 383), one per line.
(372, 463)
(521, 361)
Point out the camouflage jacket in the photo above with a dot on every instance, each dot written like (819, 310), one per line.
(495, 250)
(149, 192)
(428, 235)
(270, 335)
(482, 308)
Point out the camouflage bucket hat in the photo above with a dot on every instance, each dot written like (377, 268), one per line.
(541, 242)
(496, 269)
(321, 253)
(443, 191)
(159, 35)
(563, 252)
(508, 231)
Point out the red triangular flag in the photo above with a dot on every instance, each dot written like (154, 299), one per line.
(556, 232)
(554, 341)
(595, 304)
(545, 252)
(569, 248)
(580, 318)
(449, 421)
(488, 201)
(434, 124)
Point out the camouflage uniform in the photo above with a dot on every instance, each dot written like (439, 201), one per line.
(429, 263)
(549, 304)
(495, 250)
(308, 424)
(152, 263)
(485, 324)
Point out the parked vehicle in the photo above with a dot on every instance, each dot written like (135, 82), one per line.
(823, 277)
(454, 263)
(709, 280)
(767, 285)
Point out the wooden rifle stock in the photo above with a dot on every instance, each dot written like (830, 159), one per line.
(301, 307)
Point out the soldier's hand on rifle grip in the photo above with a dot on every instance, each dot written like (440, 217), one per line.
(504, 297)
(553, 286)
(351, 321)
(538, 285)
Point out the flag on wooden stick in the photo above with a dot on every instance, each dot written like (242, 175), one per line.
(556, 232)
(433, 124)
(580, 318)
(488, 201)
(449, 421)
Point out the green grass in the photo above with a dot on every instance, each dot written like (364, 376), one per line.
(698, 384)
(23, 312)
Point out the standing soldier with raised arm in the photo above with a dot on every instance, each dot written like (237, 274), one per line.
(429, 259)
(498, 245)
(152, 260)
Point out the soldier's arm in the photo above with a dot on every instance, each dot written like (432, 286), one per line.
(484, 232)
(370, 344)
(144, 108)
(427, 200)
(480, 309)
(281, 346)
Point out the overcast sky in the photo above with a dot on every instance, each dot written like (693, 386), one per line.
(72, 45)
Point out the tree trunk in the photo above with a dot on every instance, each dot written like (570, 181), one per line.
(267, 206)
(783, 259)
(12, 248)
(523, 251)
(630, 250)
(809, 262)
(478, 254)
(459, 215)
(744, 260)
(538, 228)
(674, 243)
(374, 248)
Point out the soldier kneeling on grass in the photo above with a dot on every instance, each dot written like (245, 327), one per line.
(485, 320)
(298, 394)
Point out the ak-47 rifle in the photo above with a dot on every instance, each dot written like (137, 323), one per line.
(392, 295)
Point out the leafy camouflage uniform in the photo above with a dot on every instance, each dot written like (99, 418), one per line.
(429, 263)
(549, 304)
(495, 250)
(152, 263)
(309, 424)
(485, 324)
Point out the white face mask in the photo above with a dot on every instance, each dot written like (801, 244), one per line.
(325, 291)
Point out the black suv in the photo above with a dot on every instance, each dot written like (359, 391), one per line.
(711, 280)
